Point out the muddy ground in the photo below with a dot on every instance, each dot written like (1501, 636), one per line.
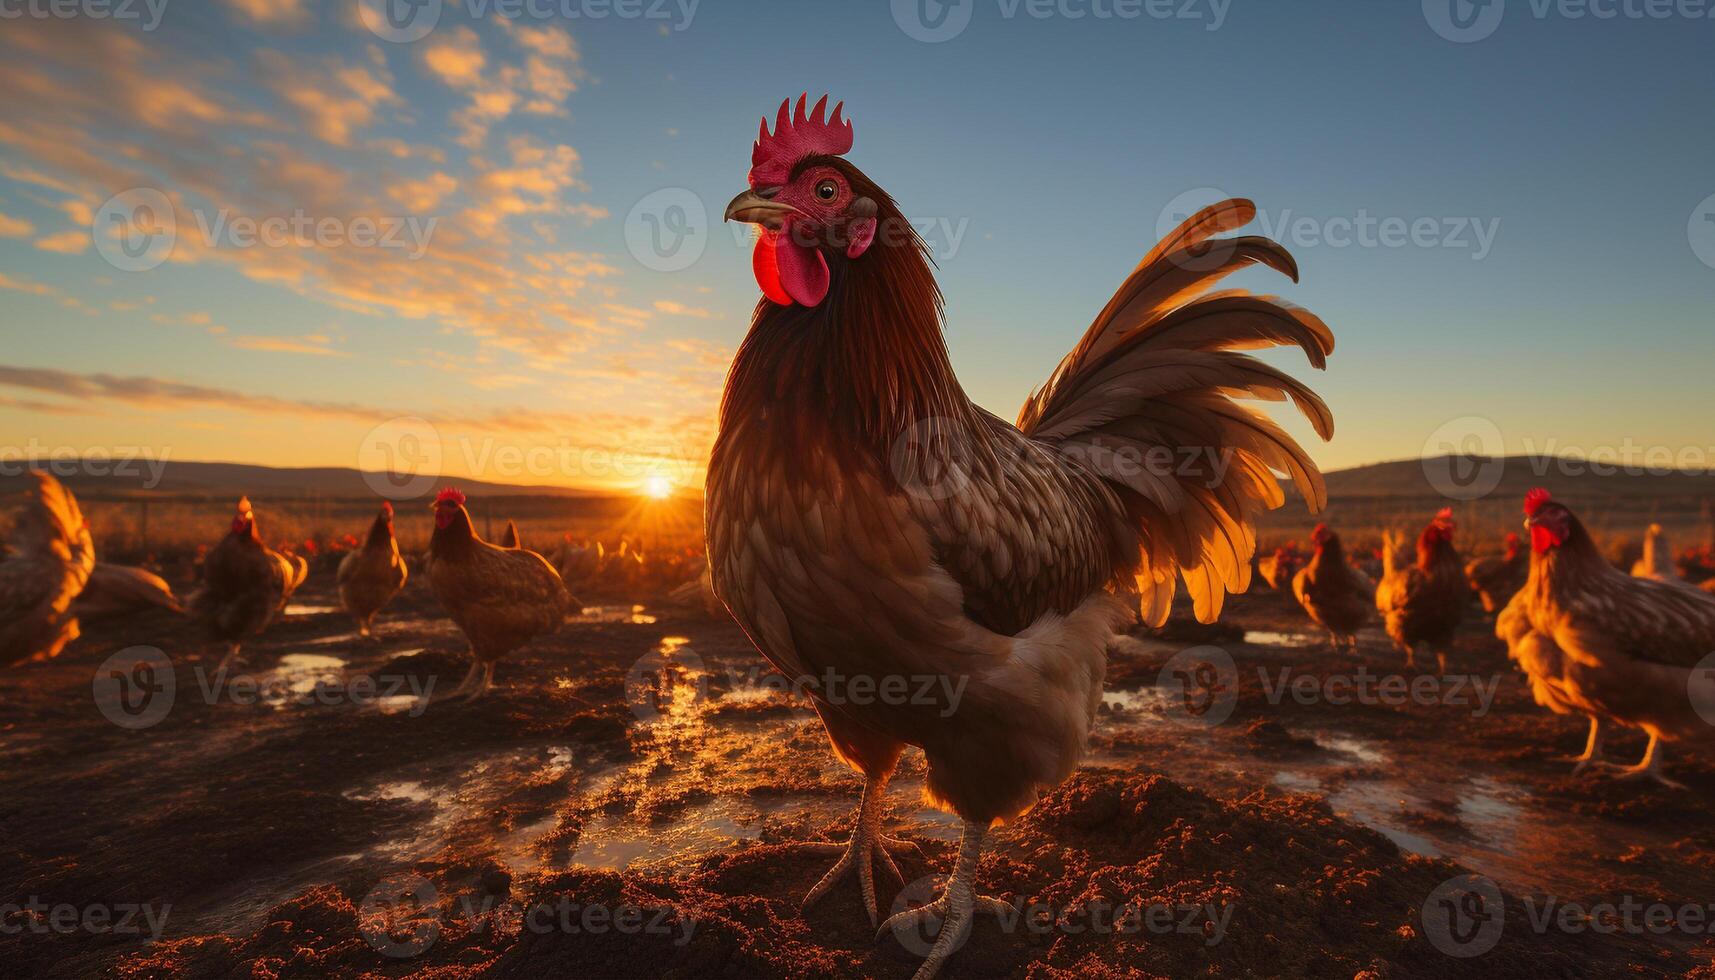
(632, 799)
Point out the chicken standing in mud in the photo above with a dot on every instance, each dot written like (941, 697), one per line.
(1334, 594)
(370, 576)
(1615, 647)
(866, 520)
(1422, 603)
(245, 584)
(501, 598)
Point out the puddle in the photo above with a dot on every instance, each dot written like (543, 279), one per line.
(613, 614)
(615, 842)
(1141, 701)
(1356, 747)
(299, 609)
(1269, 638)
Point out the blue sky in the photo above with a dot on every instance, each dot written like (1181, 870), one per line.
(1555, 170)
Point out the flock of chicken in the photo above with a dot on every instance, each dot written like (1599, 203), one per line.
(501, 596)
(1593, 640)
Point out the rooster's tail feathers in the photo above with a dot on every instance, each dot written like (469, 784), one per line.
(1157, 377)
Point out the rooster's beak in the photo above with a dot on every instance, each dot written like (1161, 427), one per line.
(758, 208)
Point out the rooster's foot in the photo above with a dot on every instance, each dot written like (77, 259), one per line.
(1649, 767)
(949, 917)
(861, 852)
(1645, 771)
(476, 682)
(946, 920)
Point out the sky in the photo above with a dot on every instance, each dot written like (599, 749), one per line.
(497, 249)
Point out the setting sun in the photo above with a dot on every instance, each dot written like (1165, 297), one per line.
(657, 488)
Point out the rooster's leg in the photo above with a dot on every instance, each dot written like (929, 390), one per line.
(483, 685)
(1592, 748)
(953, 910)
(470, 679)
(860, 854)
(1650, 766)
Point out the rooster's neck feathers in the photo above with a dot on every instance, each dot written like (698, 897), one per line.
(865, 364)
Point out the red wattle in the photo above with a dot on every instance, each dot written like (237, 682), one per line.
(1542, 539)
(767, 268)
(803, 271)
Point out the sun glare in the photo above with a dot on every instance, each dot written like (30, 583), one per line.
(657, 488)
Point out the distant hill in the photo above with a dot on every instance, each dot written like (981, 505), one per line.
(180, 478)
(1457, 479)
(1510, 477)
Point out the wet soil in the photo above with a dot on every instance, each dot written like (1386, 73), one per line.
(635, 796)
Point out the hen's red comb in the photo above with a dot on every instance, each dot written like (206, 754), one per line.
(387, 508)
(450, 495)
(1534, 500)
(1444, 516)
(795, 137)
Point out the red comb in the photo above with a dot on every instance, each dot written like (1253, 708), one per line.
(387, 508)
(795, 137)
(1444, 516)
(243, 504)
(450, 495)
(1534, 500)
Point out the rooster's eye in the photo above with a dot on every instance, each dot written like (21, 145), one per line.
(827, 190)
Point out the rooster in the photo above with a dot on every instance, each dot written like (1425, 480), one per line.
(370, 576)
(245, 584)
(1335, 595)
(509, 538)
(1279, 569)
(866, 521)
(1497, 578)
(1596, 641)
(501, 598)
(121, 590)
(1424, 602)
(1657, 560)
(50, 560)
